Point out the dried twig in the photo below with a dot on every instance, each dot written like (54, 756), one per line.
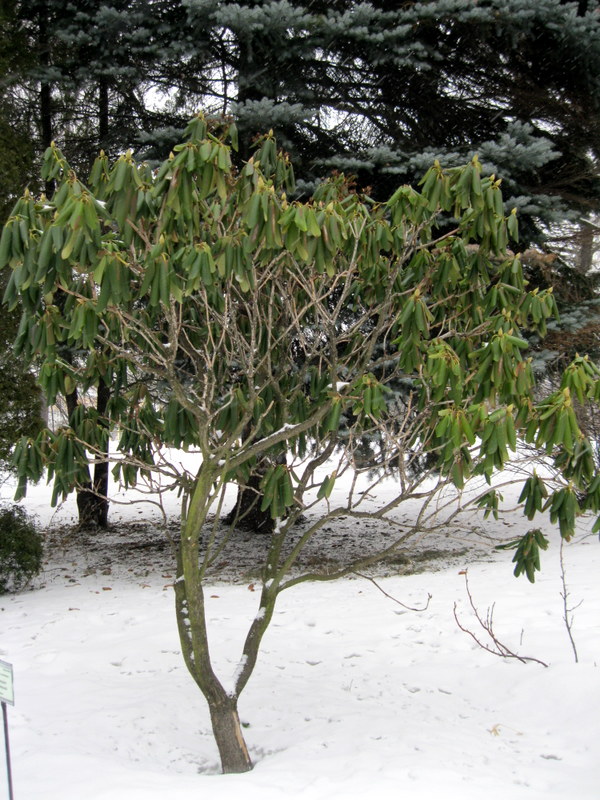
(567, 612)
(390, 597)
(497, 647)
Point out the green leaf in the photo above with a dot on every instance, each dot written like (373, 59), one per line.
(326, 488)
(527, 553)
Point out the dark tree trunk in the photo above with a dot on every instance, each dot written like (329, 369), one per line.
(246, 514)
(46, 127)
(246, 91)
(255, 82)
(92, 496)
(46, 114)
(92, 502)
(93, 510)
(103, 114)
(101, 465)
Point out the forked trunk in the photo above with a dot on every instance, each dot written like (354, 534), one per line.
(229, 738)
(191, 623)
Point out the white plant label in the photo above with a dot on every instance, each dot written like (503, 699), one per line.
(7, 691)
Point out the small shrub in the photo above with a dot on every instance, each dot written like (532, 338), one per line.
(20, 549)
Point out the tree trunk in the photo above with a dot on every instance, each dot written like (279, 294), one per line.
(92, 500)
(228, 736)
(246, 514)
(582, 8)
(586, 248)
(103, 113)
(193, 634)
(101, 466)
(92, 509)
(245, 93)
(46, 121)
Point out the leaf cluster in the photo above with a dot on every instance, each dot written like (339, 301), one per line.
(527, 553)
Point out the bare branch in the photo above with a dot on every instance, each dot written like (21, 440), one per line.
(496, 647)
(390, 597)
(567, 612)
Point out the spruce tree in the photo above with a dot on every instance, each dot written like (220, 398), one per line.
(379, 89)
(516, 82)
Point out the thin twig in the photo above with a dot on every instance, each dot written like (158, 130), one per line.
(390, 597)
(498, 648)
(567, 612)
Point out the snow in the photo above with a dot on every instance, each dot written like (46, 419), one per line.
(238, 672)
(354, 696)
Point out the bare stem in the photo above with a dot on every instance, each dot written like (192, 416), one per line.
(567, 612)
(391, 597)
(496, 647)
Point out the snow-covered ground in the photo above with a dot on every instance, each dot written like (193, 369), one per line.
(354, 696)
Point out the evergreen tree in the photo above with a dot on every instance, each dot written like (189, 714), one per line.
(515, 81)
(377, 88)
(93, 81)
(381, 89)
